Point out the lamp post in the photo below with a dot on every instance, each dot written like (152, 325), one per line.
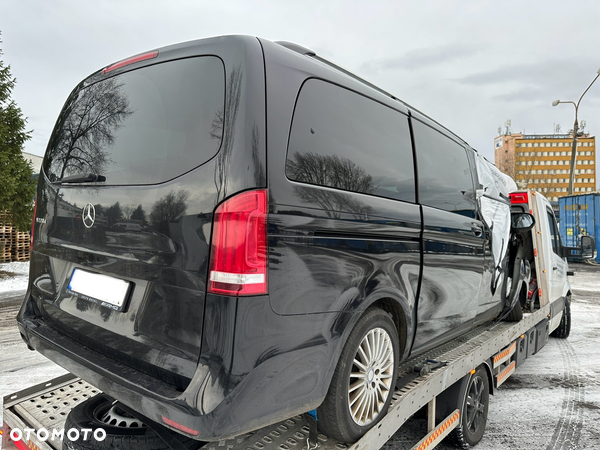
(575, 130)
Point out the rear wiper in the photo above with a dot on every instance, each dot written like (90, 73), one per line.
(83, 178)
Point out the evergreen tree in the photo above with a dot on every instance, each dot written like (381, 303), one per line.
(17, 187)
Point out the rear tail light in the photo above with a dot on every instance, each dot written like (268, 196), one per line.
(33, 224)
(519, 197)
(238, 264)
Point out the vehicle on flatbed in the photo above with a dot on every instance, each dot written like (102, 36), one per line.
(454, 380)
(231, 231)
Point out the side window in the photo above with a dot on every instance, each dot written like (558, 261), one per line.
(343, 140)
(554, 237)
(444, 173)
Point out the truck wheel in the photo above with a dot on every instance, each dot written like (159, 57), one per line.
(473, 411)
(364, 379)
(564, 329)
(123, 431)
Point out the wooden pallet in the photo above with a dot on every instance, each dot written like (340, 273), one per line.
(21, 256)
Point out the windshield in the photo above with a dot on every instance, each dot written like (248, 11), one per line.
(145, 126)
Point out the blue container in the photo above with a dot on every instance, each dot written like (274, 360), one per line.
(579, 215)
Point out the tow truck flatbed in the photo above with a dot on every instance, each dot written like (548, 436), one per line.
(46, 405)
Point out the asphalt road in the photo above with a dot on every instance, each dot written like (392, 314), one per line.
(551, 402)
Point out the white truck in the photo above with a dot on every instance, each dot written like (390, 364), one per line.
(453, 381)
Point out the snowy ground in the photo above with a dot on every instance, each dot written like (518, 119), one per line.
(551, 402)
(13, 278)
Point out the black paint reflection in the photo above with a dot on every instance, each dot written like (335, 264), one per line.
(223, 126)
(169, 209)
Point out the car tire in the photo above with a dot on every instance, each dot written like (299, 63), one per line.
(364, 380)
(473, 410)
(516, 314)
(564, 329)
(123, 431)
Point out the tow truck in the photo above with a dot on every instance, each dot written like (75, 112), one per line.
(441, 380)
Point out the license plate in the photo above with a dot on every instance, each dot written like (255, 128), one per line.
(101, 289)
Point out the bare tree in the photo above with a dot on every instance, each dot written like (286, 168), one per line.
(168, 209)
(86, 128)
(332, 171)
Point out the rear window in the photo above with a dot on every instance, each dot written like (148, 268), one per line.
(145, 126)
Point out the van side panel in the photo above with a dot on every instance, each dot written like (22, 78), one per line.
(330, 249)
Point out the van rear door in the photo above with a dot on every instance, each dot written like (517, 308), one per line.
(125, 213)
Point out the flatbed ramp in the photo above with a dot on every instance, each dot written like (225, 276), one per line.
(47, 405)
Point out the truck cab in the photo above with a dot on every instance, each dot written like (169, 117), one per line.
(546, 255)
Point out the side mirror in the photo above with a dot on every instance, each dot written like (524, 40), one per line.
(521, 222)
(588, 247)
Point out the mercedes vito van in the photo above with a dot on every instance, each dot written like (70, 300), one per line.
(231, 231)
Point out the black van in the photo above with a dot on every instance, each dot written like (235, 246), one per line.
(232, 231)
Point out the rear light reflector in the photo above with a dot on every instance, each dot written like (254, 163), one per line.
(519, 197)
(238, 263)
(180, 427)
(131, 60)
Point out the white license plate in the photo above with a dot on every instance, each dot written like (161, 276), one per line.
(102, 289)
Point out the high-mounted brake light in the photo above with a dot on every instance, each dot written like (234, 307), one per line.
(33, 224)
(519, 197)
(238, 256)
(131, 60)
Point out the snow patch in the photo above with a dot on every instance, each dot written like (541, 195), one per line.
(14, 276)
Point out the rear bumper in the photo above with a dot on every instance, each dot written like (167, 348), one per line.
(252, 372)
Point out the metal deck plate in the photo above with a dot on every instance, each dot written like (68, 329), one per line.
(291, 434)
(50, 409)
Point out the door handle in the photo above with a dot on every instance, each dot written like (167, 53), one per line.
(476, 229)
(555, 268)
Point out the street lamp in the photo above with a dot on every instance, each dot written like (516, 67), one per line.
(575, 129)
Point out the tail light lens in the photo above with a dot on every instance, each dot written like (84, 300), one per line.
(238, 264)
(519, 197)
(33, 223)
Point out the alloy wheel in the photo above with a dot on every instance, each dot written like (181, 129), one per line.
(371, 376)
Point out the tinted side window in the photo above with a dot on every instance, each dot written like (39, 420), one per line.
(343, 140)
(144, 126)
(444, 173)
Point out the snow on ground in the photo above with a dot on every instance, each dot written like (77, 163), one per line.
(13, 277)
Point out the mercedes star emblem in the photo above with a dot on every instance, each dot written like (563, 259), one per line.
(89, 215)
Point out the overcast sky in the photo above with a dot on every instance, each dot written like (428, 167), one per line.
(470, 65)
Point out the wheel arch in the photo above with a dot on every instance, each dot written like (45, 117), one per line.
(394, 308)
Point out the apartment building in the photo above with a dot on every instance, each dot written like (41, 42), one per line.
(542, 162)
